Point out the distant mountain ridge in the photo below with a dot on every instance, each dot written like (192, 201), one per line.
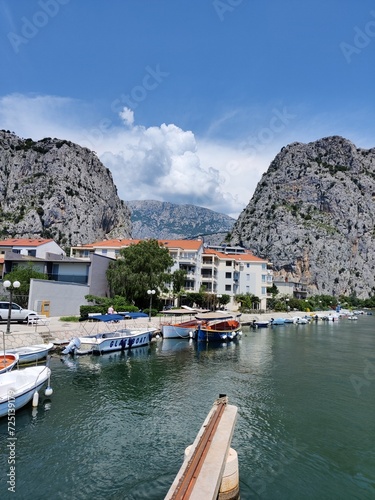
(159, 219)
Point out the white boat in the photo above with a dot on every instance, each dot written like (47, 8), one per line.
(292, 320)
(119, 340)
(30, 353)
(7, 361)
(302, 321)
(173, 327)
(260, 324)
(17, 387)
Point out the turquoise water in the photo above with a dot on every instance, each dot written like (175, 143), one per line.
(116, 426)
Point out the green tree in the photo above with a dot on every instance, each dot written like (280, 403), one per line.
(139, 268)
(24, 273)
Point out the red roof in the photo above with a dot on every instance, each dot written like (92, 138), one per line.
(121, 243)
(247, 256)
(24, 242)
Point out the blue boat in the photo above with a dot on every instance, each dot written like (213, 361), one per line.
(278, 321)
(217, 327)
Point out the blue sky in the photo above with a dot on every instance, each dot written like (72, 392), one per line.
(188, 101)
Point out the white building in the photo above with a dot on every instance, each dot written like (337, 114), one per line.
(219, 270)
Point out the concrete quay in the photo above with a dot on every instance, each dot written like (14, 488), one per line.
(60, 332)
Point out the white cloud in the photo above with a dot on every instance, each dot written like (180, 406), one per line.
(163, 162)
(166, 162)
(127, 116)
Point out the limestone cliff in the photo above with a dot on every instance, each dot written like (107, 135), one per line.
(57, 189)
(313, 216)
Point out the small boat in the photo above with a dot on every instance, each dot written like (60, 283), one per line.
(260, 323)
(352, 317)
(182, 330)
(302, 321)
(18, 387)
(7, 361)
(278, 321)
(31, 353)
(291, 320)
(118, 340)
(217, 327)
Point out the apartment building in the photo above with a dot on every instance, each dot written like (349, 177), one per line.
(217, 269)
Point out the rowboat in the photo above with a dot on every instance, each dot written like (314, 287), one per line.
(177, 329)
(18, 387)
(30, 353)
(7, 361)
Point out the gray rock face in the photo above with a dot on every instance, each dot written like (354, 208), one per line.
(56, 189)
(157, 219)
(313, 216)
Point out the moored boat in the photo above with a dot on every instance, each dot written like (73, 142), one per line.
(260, 323)
(217, 327)
(182, 330)
(7, 361)
(31, 353)
(118, 340)
(17, 387)
(174, 327)
(277, 321)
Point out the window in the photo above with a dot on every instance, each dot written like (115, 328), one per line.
(264, 278)
(248, 277)
(228, 263)
(228, 288)
(264, 290)
(228, 276)
(264, 267)
(247, 289)
(104, 251)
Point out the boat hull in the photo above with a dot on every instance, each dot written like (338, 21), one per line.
(31, 353)
(119, 340)
(8, 361)
(224, 331)
(185, 330)
(17, 387)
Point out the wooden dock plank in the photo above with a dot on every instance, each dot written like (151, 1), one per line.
(216, 437)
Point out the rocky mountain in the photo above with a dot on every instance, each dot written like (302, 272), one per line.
(157, 219)
(56, 189)
(313, 216)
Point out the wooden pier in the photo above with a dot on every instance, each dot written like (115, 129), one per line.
(201, 474)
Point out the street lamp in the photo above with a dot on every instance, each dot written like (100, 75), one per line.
(218, 296)
(11, 287)
(287, 304)
(150, 293)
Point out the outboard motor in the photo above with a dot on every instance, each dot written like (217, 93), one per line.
(73, 345)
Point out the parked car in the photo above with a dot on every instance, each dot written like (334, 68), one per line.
(17, 312)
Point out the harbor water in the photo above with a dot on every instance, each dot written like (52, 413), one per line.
(117, 425)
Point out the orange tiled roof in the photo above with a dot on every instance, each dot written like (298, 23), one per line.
(24, 242)
(241, 257)
(120, 243)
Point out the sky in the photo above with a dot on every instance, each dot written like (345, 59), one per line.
(188, 101)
